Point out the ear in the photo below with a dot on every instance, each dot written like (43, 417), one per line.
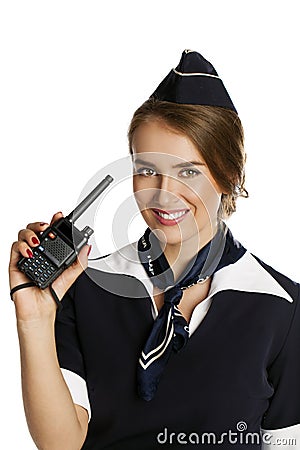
(225, 192)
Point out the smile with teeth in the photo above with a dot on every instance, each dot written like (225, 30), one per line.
(171, 216)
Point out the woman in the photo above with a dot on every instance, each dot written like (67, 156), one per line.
(183, 337)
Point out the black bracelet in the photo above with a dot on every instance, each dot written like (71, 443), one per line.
(21, 286)
(31, 284)
(56, 299)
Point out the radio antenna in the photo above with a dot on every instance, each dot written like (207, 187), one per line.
(89, 199)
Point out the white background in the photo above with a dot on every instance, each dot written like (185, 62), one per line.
(72, 74)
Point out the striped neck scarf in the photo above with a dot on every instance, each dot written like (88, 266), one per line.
(170, 330)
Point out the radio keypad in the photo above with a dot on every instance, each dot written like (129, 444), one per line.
(38, 267)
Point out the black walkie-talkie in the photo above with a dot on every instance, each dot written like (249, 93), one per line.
(60, 243)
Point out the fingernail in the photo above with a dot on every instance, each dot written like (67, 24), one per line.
(29, 253)
(35, 240)
(89, 250)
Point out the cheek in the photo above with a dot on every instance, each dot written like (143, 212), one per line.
(206, 198)
(201, 194)
(142, 191)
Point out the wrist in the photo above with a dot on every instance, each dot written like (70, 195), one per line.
(36, 324)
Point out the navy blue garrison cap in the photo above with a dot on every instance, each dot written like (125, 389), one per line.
(194, 81)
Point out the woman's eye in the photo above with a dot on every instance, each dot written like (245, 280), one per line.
(186, 173)
(145, 171)
(191, 173)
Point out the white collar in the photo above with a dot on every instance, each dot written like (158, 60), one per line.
(245, 275)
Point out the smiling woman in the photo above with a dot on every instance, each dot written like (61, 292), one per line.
(215, 133)
(163, 190)
(207, 143)
(183, 330)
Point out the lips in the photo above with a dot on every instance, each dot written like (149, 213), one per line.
(173, 211)
(170, 220)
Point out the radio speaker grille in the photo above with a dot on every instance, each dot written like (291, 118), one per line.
(58, 248)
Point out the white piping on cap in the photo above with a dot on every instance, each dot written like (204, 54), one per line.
(195, 73)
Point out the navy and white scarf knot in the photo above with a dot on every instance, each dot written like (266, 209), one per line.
(170, 332)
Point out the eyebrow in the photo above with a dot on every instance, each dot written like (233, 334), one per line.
(183, 164)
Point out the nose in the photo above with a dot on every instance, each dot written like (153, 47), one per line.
(166, 192)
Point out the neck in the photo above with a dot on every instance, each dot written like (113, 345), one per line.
(180, 254)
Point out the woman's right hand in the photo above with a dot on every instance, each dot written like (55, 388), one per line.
(33, 303)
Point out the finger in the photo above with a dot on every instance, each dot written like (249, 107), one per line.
(29, 236)
(14, 253)
(82, 259)
(15, 275)
(67, 278)
(37, 227)
(24, 249)
(56, 216)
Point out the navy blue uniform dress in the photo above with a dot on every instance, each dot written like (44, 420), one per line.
(235, 385)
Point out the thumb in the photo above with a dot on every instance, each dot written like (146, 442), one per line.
(81, 262)
(67, 278)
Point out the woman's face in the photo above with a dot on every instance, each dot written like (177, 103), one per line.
(173, 187)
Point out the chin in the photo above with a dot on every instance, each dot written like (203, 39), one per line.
(171, 235)
(167, 238)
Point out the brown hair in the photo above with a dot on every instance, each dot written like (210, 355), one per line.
(218, 135)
